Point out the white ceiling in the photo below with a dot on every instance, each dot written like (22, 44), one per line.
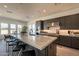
(30, 11)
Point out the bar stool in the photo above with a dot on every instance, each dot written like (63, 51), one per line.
(11, 43)
(23, 51)
(7, 39)
(28, 51)
(16, 44)
(18, 48)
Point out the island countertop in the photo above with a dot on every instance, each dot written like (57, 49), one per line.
(38, 41)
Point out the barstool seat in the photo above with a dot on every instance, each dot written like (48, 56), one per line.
(17, 48)
(12, 44)
(28, 53)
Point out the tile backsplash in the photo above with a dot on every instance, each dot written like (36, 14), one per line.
(63, 32)
(66, 31)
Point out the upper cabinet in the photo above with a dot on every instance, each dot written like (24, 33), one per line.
(69, 22)
(51, 24)
(65, 22)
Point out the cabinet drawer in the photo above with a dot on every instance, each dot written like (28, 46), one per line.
(75, 42)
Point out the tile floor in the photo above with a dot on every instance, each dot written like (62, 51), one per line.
(61, 50)
(3, 48)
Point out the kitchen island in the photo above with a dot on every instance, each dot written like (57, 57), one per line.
(43, 45)
(69, 40)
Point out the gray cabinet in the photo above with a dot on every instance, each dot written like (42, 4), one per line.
(72, 42)
(69, 22)
(65, 22)
(75, 42)
(63, 40)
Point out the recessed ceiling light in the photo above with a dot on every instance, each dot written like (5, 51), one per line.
(27, 17)
(44, 10)
(5, 6)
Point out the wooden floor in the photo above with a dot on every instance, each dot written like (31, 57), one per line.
(61, 50)
(66, 51)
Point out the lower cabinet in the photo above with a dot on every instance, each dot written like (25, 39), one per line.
(75, 42)
(51, 50)
(64, 40)
(48, 51)
(72, 42)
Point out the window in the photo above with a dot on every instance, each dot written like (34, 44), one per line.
(4, 31)
(19, 28)
(12, 31)
(13, 26)
(4, 25)
(4, 28)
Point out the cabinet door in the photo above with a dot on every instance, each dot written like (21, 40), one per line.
(51, 50)
(75, 42)
(59, 40)
(64, 40)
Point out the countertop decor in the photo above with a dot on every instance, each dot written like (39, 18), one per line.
(24, 30)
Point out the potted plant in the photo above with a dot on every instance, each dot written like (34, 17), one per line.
(24, 30)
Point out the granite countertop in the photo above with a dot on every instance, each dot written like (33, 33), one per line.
(56, 35)
(50, 34)
(71, 35)
(40, 42)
